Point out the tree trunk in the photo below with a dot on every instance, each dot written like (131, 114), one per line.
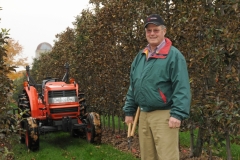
(119, 124)
(209, 148)
(191, 141)
(228, 143)
(198, 148)
(113, 123)
(109, 117)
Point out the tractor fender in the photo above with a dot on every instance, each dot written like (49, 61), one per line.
(33, 100)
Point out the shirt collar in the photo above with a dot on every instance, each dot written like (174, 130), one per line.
(160, 46)
(148, 51)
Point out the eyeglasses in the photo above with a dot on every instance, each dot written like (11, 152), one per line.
(155, 31)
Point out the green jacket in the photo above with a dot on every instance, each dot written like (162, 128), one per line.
(159, 83)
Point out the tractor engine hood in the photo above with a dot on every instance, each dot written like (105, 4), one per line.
(60, 92)
(58, 85)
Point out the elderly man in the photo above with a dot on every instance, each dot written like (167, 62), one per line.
(159, 85)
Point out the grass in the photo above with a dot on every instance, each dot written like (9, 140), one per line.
(184, 138)
(61, 146)
(235, 149)
(106, 122)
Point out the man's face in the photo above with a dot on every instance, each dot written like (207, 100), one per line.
(155, 34)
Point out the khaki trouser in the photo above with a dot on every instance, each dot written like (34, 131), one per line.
(157, 140)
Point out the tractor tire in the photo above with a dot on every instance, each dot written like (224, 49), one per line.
(24, 105)
(24, 109)
(30, 130)
(82, 103)
(93, 129)
(31, 134)
(22, 133)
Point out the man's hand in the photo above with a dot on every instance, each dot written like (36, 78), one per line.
(128, 119)
(174, 123)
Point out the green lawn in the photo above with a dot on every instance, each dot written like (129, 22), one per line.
(61, 146)
(235, 149)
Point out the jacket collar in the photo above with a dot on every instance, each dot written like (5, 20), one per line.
(163, 52)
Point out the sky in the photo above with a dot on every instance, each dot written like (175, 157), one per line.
(32, 22)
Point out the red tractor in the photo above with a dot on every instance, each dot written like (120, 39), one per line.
(57, 106)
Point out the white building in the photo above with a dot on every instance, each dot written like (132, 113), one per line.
(42, 48)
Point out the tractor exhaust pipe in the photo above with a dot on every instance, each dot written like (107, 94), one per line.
(66, 75)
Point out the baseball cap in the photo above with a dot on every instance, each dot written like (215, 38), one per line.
(154, 19)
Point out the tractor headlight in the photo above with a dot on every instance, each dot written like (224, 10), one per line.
(62, 99)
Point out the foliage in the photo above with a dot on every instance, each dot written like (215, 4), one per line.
(14, 57)
(63, 51)
(107, 49)
(18, 86)
(6, 84)
(213, 61)
(5, 91)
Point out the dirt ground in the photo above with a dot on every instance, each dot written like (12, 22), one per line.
(120, 141)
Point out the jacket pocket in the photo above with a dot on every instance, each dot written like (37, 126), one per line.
(162, 95)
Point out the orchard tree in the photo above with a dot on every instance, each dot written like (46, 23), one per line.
(14, 57)
(6, 88)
